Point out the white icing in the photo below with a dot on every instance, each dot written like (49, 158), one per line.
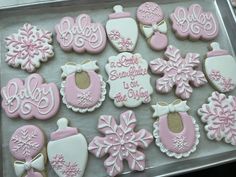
(150, 30)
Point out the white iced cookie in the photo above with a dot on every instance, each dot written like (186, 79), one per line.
(129, 80)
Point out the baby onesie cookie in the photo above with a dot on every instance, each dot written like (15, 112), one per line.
(219, 114)
(179, 72)
(122, 30)
(176, 132)
(121, 143)
(220, 69)
(128, 79)
(67, 151)
(194, 23)
(28, 47)
(82, 89)
(81, 35)
(153, 25)
(30, 98)
(27, 147)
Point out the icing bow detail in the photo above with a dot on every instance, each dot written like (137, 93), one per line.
(160, 110)
(37, 163)
(72, 68)
(149, 30)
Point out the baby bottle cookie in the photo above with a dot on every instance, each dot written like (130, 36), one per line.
(122, 30)
(27, 147)
(220, 69)
(176, 132)
(83, 90)
(67, 151)
(153, 25)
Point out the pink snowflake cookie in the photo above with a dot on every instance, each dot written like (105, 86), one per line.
(194, 23)
(80, 34)
(220, 117)
(29, 47)
(26, 146)
(121, 143)
(30, 98)
(178, 71)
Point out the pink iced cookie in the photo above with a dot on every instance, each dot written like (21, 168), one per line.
(178, 71)
(176, 132)
(26, 146)
(153, 25)
(220, 117)
(121, 143)
(194, 23)
(78, 97)
(80, 34)
(28, 47)
(30, 98)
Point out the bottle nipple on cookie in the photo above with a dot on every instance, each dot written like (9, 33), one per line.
(216, 50)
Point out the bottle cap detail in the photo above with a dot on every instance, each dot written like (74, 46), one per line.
(216, 50)
(119, 13)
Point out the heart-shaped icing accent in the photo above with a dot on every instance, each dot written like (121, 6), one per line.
(158, 41)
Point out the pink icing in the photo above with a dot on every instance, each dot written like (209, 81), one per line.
(30, 98)
(158, 41)
(81, 34)
(83, 98)
(194, 22)
(60, 134)
(119, 15)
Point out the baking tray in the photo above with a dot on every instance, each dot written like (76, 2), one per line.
(47, 15)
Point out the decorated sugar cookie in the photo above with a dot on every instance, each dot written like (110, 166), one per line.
(67, 151)
(28, 47)
(83, 90)
(220, 69)
(81, 34)
(129, 80)
(122, 30)
(27, 147)
(178, 71)
(219, 116)
(30, 98)
(121, 143)
(176, 132)
(153, 25)
(194, 23)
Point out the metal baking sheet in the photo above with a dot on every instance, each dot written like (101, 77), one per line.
(46, 15)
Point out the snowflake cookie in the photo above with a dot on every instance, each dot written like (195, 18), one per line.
(29, 47)
(178, 71)
(220, 117)
(176, 132)
(121, 143)
(27, 147)
(63, 154)
(82, 90)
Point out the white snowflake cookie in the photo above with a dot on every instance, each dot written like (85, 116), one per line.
(220, 117)
(28, 47)
(176, 132)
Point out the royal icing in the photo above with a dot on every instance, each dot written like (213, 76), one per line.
(220, 69)
(178, 71)
(25, 146)
(219, 114)
(28, 47)
(194, 23)
(129, 80)
(121, 143)
(63, 154)
(122, 30)
(80, 34)
(87, 99)
(175, 144)
(153, 25)
(30, 98)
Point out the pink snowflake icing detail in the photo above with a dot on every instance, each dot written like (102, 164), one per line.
(227, 84)
(125, 44)
(120, 142)
(220, 117)
(178, 71)
(215, 75)
(28, 47)
(114, 35)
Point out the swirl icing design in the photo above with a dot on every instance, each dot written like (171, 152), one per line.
(31, 98)
(81, 34)
(194, 22)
